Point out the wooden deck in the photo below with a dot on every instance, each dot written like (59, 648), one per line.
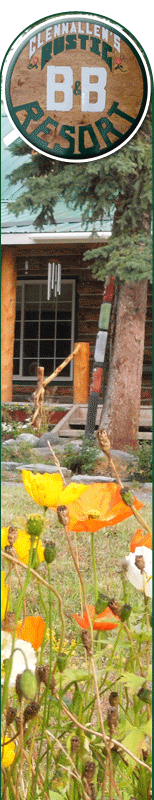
(73, 424)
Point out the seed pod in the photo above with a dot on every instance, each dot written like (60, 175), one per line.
(39, 672)
(125, 612)
(101, 603)
(11, 714)
(18, 724)
(127, 496)
(63, 515)
(12, 535)
(27, 684)
(61, 661)
(8, 622)
(87, 643)
(89, 770)
(114, 606)
(112, 718)
(42, 675)
(31, 711)
(104, 442)
(140, 563)
(92, 791)
(49, 552)
(145, 695)
(113, 699)
(74, 744)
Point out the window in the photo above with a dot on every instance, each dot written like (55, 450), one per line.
(44, 329)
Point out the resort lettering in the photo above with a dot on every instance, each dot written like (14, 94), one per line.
(104, 125)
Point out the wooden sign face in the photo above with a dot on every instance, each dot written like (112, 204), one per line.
(77, 87)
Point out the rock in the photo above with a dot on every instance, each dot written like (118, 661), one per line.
(43, 468)
(123, 455)
(9, 443)
(27, 438)
(47, 437)
(92, 479)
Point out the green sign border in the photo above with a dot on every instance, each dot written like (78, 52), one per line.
(78, 17)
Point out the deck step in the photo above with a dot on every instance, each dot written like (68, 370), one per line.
(73, 424)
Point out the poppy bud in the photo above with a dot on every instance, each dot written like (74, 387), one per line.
(12, 535)
(26, 685)
(18, 724)
(127, 496)
(104, 442)
(31, 710)
(42, 675)
(92, 791)
(113, 699)
(10, 715)
(63, 515)
(8, 623)
(125, 612)
(112, 718)
(34, 525)
(102, 602)
(145, 695)
(74, 744)
(114, 606)
(87, 643)
(89, 771)
(39, 672)
(49, 552)
(61, 661)
(140, 563)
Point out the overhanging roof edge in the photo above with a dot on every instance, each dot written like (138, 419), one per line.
(44, 238)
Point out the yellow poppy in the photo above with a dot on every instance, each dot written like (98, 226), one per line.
(7, 752)
(44, 489)
(4, 595)
(22, 545)
(71, 493)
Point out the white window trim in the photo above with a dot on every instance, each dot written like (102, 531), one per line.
(30, 379)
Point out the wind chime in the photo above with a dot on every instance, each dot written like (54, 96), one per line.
(54, 280)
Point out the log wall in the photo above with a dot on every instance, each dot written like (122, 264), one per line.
(88, 300)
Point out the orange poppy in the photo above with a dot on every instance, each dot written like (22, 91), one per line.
(99, 506)
(31, 630)
(140, 539)
(102, 622)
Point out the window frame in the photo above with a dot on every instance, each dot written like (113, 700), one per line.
(23, 283)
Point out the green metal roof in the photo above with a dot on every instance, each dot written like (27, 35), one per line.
(67, 219)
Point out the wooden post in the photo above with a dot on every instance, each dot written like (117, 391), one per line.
(8, 313)
(81, 374)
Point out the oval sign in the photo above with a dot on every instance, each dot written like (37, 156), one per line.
(77, 87)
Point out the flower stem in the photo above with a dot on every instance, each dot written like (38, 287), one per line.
(94, 566)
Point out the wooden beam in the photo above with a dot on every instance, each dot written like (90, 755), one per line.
(81, 374)
(8, 313)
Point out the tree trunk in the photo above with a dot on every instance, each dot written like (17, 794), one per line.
(8, 312)
(123, 396)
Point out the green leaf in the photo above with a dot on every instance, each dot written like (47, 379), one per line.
(55, 795)
(143, 784)
(133, 682)
(149, 673)
(134, 741)
(147, 727)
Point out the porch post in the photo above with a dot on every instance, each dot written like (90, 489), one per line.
(8, 313)
(81, 374)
